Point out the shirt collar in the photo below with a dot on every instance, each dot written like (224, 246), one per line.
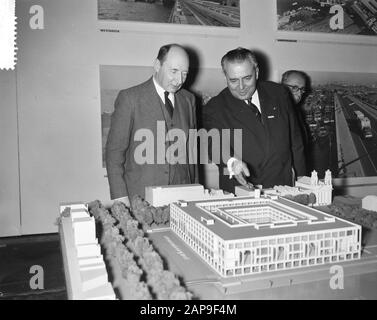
(161, 92)
(255, 100)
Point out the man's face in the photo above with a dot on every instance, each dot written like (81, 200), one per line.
(241, 78)
(172, 73)
(296, 85)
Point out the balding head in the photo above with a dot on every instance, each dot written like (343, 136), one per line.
(171, 67)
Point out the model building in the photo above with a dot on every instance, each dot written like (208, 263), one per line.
(159, 196)
(369, 203)
(246, 235)
(320, 190)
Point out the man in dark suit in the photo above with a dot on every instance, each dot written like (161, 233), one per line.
(298, 82)
(142, 148)
(272, 148)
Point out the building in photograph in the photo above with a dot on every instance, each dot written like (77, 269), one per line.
(248, 235)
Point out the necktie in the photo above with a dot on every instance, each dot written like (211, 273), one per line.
(168, 104)
(255, 110)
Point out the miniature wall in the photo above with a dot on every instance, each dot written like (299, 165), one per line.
(58, 96)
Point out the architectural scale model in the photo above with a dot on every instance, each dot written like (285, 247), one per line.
(322, 189)
(85, 269)
(369, 203)
(246, 235)
(159, 196)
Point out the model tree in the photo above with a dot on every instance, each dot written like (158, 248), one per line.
(302, 198)
(112, 242)
(289, 197)
(120, 212)
(142, 246)
(165, 215)
(148, 215)
(158, 216)
(148, 259)
(354, 213)
(312, 199)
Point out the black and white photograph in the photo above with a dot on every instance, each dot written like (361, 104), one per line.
(168, 157)
(205, 84)
(330, 16)
(222, 13)
(340, 114)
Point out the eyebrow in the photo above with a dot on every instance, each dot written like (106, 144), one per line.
(250, 75)
(175, 69)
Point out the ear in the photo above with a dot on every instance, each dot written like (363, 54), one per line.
(256, 73)
(156, 65)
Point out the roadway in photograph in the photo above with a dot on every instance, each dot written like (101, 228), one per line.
(366, 146)
(206, 13)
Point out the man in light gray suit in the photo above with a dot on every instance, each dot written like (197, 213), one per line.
(137, 152)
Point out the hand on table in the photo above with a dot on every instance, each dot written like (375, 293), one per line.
(239, 170)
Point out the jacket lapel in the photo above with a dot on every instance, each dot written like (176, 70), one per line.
(181, 111)
(238, 110)
(269, 112)
(267, 104)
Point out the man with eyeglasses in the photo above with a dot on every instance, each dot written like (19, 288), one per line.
(295, 81)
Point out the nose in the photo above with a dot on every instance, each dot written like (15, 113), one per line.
(179, 78)
(298, 96)
(242, 85)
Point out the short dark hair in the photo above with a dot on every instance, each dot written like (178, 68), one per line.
(239, 55)
(288, 73)
(164, 50)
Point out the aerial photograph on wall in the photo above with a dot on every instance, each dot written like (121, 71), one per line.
(358, 17)
(222, 13)
(340, 113)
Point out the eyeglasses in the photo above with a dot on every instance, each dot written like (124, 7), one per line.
(296, 89)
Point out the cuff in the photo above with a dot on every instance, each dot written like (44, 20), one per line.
(230, 166)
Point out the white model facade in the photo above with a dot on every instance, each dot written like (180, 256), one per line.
(85, 270)
(322, 189)
(158, 196)
(369, 203)
(246, 235)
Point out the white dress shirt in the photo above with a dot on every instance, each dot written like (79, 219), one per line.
(255, 100)
(161, 92)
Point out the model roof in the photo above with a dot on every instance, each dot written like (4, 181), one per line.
(311, 219)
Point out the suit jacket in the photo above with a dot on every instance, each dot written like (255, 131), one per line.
(140, 108)
(271, 148)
